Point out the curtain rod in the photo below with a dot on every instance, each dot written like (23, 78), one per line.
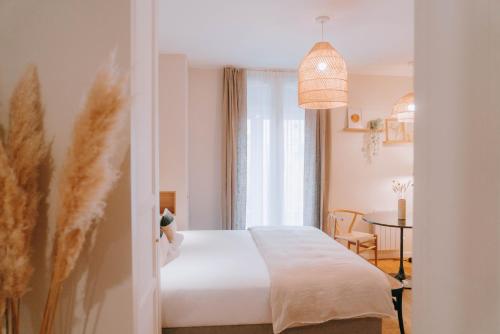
(263, 69)
(260, 69)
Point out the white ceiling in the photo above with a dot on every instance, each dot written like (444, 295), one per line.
(374, 36)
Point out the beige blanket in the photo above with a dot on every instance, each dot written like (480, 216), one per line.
(315, 279)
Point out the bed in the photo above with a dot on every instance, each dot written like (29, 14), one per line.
(240, 281)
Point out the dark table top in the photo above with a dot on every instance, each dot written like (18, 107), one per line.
(389, 219)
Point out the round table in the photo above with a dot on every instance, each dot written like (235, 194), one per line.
(390, 219)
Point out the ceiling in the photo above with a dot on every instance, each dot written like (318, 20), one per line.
(374, 36)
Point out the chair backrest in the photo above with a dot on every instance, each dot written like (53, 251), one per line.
(337, 215)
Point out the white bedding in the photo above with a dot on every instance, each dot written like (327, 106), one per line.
(218, 279)
(315, 279)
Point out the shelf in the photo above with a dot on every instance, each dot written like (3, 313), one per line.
(359, 130)
(396, 142)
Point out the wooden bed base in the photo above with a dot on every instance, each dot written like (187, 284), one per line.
(348, 326)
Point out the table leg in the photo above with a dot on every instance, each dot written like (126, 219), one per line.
(398, 306)
(401, 274)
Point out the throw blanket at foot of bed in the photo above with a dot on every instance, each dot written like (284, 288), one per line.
(315, 279)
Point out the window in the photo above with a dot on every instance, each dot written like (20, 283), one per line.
(275, 150)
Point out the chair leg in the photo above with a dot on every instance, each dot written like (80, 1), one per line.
(376, 251)
(357, 247)
(348, 245)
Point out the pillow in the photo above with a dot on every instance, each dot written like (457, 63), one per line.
(172, 254)
(168, 216)
(170, 240)
(176, 242)
(169, 251)
(170, 231)
(166, 219)
(175, 246)
(164, 250)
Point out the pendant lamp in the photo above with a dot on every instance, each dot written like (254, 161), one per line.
(322, 76)
(404, 109)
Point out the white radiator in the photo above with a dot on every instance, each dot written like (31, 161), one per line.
(388, 238)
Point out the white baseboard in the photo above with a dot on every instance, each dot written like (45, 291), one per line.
(386, 254)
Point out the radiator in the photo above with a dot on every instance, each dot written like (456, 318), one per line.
(388, 238)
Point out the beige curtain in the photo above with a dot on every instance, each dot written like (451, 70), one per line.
(234, 149)
(317, 167)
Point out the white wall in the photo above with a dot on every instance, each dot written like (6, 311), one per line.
(190, 140)
(173, 118)
(205, 148)
(456, 275)
(68, 41)
(356, 183)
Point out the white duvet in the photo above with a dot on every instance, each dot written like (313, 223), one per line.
(218, 279)
(315, 279)
(287, 276)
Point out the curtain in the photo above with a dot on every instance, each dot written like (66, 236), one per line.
(275, 156)
(316, 167)
(234, 149)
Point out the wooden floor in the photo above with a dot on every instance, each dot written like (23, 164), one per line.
(390, 326)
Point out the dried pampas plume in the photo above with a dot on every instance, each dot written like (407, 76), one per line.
(88, 176)
(20, 161)
(2, 312)
(26, 151)
(14, 266)
(26, 145)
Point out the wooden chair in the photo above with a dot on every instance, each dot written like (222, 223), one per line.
(363, 241)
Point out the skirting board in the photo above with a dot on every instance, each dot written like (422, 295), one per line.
(386, 254)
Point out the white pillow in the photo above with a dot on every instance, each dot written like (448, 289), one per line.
(175, 246)
(170, 215)
(164, 250)
(172, 254)
(176, 243)
(170, 250)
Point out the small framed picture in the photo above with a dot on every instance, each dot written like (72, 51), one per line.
(355, 118)
(396, 132)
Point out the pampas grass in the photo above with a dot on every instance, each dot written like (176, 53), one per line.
(87, 178)
(26, 151)
(2, 313)
(20, 161)
(25, 143)
(4, 223)
(14, 266)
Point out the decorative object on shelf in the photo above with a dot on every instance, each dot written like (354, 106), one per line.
(401, 208)
(322, 76)
(373, 138)
(400, 189)
(404, 109)
(354, 119)
(360, 130)
(396, 132)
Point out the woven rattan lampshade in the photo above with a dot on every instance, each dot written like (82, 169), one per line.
(322, 78)
(404, 109)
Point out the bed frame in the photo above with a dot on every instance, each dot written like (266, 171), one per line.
(348, 326)
(167, 201)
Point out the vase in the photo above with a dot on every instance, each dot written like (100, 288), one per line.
(401, 208)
